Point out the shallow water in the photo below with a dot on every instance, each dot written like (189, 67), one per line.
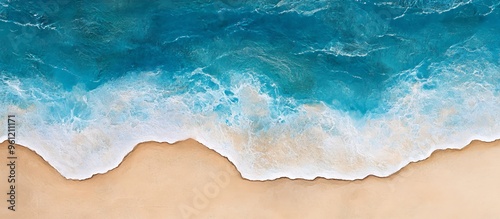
(299, 89)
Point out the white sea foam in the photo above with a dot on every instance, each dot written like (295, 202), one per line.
(346, 49)
(251, 127)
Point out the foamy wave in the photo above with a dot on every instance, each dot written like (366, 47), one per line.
(265, 135)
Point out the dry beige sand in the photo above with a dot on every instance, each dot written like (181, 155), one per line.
(187, 180)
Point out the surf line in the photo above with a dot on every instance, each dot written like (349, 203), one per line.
(11, 162)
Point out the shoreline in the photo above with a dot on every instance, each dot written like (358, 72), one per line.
(189, 180)
(472, 142)
(429, 154)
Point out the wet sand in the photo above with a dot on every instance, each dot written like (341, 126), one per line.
(188, 180)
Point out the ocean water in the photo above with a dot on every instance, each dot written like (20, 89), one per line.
(301, 89)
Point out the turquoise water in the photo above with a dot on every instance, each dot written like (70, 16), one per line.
(339, 89)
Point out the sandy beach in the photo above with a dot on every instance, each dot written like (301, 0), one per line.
(188, 180)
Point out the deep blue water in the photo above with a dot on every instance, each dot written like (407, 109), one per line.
(348, 78)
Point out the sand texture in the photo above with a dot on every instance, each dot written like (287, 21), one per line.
(188, 180)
